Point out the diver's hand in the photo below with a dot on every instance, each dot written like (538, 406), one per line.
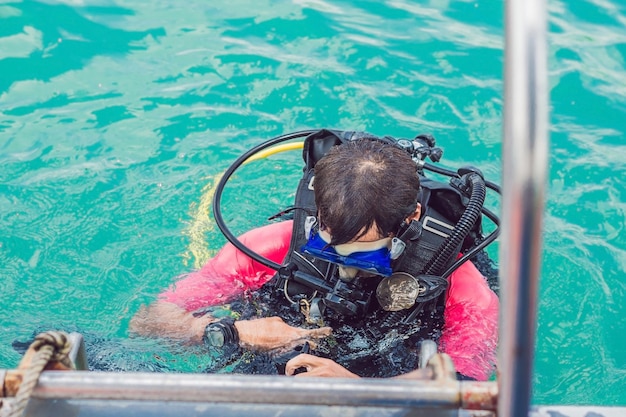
(316, 366)
(273, 333)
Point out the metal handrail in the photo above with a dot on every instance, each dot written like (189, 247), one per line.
(442, 397)
(525, 150)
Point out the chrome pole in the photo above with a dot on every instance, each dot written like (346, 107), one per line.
(262, 390)
(525, 150)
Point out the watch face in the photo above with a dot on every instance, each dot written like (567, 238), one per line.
(215, 337)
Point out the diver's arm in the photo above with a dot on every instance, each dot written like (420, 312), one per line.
(470, 331)
(273, 333)
(165, 319)
(225, 276)
(222, 278)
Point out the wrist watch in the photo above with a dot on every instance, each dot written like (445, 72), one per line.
(221, 335)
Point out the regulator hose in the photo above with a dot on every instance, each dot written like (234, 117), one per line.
(217, 197)
(471, 214)
(449, 247)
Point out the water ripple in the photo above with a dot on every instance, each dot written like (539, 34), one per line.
(114, 114)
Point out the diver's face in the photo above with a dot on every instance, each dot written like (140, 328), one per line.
(371, 240)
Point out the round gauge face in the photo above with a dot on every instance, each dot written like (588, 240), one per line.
(397, 292)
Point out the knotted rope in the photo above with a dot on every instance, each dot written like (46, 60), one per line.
(47, 347)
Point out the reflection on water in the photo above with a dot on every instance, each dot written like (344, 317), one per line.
(114, 116)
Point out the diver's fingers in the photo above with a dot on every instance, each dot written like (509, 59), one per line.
(303, 360)
(316, 366)
(312, 344)
(317, 333)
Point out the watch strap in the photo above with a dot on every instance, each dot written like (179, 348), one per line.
(231, 335)
(228, 329)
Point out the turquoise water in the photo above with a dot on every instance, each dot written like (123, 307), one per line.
(115, 116)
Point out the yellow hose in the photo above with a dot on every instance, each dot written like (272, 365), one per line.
(274, 150)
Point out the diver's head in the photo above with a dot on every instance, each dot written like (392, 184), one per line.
(365, 189)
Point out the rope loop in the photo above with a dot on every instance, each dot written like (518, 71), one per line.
(47, 347)
(60, 344)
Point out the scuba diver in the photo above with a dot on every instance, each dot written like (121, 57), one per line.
(375, 259)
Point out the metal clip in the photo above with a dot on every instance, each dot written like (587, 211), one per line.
(397, 248)
(309, 222)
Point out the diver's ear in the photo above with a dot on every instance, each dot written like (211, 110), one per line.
(416, 214)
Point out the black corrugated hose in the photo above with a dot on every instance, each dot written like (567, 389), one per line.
(438, 264)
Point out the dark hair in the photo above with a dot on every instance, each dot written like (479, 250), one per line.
(362, 183)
